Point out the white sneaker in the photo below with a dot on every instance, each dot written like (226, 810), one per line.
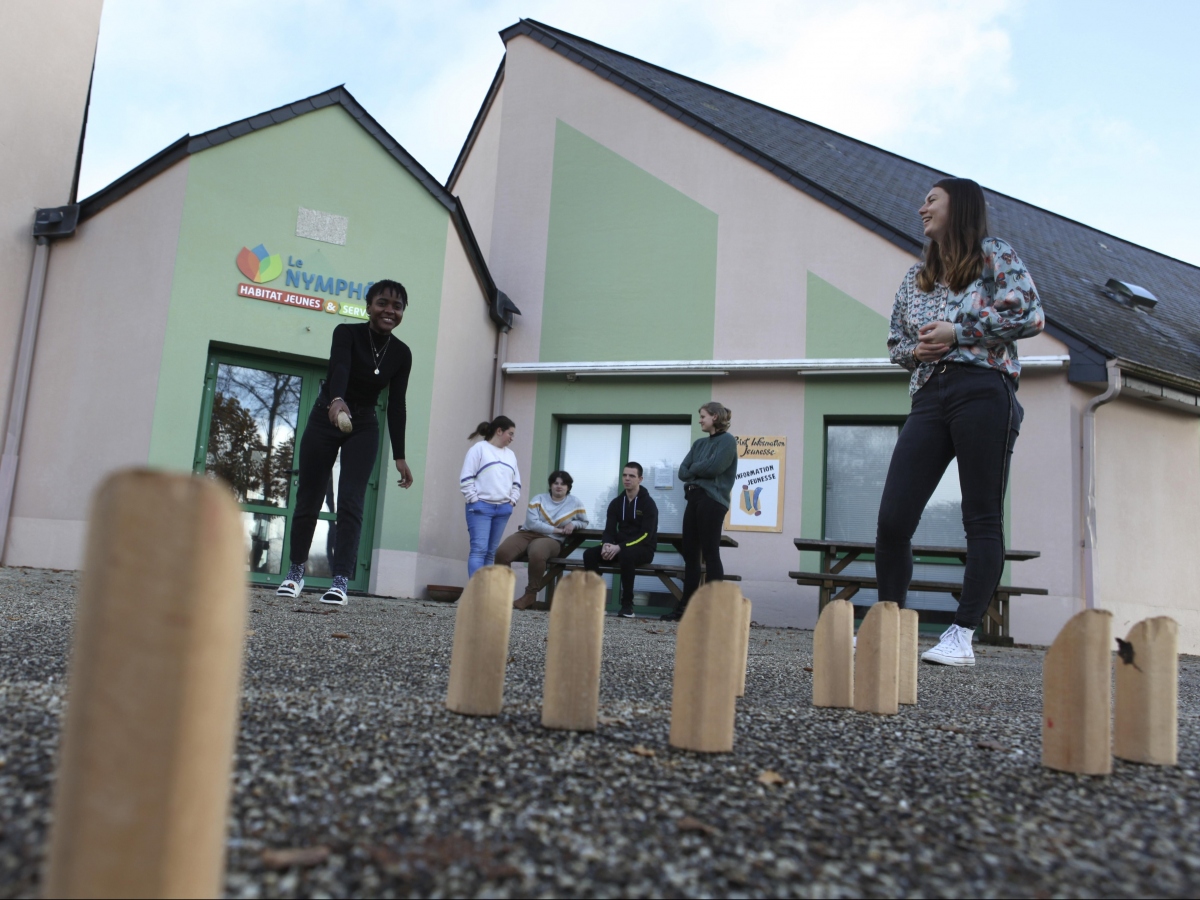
(954, 649)
(290, 588)
(336, 597)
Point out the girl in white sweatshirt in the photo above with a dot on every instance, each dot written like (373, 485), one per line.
(492, 485)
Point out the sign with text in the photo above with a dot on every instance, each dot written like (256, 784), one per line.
(757, 501)
(287, 298)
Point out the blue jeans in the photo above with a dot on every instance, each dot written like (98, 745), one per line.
(485, 524)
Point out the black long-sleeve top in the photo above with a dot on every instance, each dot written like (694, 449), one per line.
(632, 522)
(352, 375)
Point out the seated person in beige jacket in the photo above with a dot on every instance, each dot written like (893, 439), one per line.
(549, 517)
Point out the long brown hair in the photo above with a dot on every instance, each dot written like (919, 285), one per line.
(960, 261)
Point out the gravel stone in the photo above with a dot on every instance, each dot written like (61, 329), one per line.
(353, 779)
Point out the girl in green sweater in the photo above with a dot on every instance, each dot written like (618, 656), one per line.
(707, 473)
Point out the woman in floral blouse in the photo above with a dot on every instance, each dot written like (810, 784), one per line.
(955, 323)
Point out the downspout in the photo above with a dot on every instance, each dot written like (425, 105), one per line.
(1089, 481)
(20, 391)
(498, 372)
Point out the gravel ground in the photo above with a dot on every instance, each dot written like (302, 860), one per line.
(348, 755)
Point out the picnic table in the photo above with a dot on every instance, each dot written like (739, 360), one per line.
(665, 572)
(836, 584)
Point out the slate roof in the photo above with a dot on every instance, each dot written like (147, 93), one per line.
(337, 96)
(1070, 261)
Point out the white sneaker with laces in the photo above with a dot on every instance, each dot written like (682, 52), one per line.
(290, 588)
(954, 649)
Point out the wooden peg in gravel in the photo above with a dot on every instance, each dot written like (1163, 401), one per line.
(909, 661)
(707, 654)
(1145, 720)
(744, 646)
(147, 749)
(571, 694)
(1077, 696)
(877, 661)
(833, 656)
(480, 652)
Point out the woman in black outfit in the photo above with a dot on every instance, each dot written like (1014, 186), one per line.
(364, 359)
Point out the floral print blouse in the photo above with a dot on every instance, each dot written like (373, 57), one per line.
(989, 316)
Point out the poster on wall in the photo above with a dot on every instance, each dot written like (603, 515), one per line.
(757, 501)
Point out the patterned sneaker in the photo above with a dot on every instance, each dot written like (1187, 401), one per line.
(626, 611)
(954, 649)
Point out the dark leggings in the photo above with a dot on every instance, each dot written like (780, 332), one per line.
(702, 521)
(318, 451)
(628, 559)
(971, 413)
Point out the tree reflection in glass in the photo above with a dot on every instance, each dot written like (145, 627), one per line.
(252, 432)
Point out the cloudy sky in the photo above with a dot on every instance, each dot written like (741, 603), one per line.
(1085, 107)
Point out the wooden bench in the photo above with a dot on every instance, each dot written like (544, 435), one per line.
(993, 628)
(664, 572)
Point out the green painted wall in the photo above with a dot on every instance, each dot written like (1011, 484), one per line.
(631, 263)
(615, 397)
(248, 191)
(839, 327)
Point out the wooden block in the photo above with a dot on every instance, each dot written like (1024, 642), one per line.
(481, 643)
(147, 750)
(707, 654)
(1077, 696)
(1146, 719)
(344, 423)
(744, 646)
(571, 694)
(877, 661)
(909, 661)
(833, 656)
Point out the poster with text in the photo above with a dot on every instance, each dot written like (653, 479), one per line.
(757, 501)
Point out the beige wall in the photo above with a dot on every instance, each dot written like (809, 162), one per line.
(96, 368)
(1044, 511)
(1148, 516)
(461, 399)
(477, 178)
(46, 53)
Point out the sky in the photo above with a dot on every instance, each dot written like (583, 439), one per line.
(1088, 109)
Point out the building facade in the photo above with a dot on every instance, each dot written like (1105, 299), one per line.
(667, 244)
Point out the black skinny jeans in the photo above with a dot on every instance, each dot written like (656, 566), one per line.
(628, 559)
(703, 518)
(318, 451)
(967, 412)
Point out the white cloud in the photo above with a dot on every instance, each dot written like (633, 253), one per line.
(931, 79)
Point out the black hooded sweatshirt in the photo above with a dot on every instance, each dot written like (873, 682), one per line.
(632, 522)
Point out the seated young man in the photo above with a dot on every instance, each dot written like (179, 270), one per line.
(630, 534)
(550, 518)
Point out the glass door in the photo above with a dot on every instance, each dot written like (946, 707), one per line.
(594, 452)
(252, 418)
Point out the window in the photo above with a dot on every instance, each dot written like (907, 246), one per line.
(594, 453)
(857, 457)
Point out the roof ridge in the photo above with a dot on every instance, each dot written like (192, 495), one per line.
(550, 29)
(798, 179)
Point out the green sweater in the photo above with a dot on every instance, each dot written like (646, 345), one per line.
(712, 464)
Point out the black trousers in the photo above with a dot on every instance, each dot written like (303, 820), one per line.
(318, 452)
(702, 521)
(964, 412)
(628, 559)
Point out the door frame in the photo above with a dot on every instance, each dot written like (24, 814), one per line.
(311, 375)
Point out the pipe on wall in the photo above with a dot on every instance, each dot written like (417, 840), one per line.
(1089, 480)
(20, 390)
(498, 372)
